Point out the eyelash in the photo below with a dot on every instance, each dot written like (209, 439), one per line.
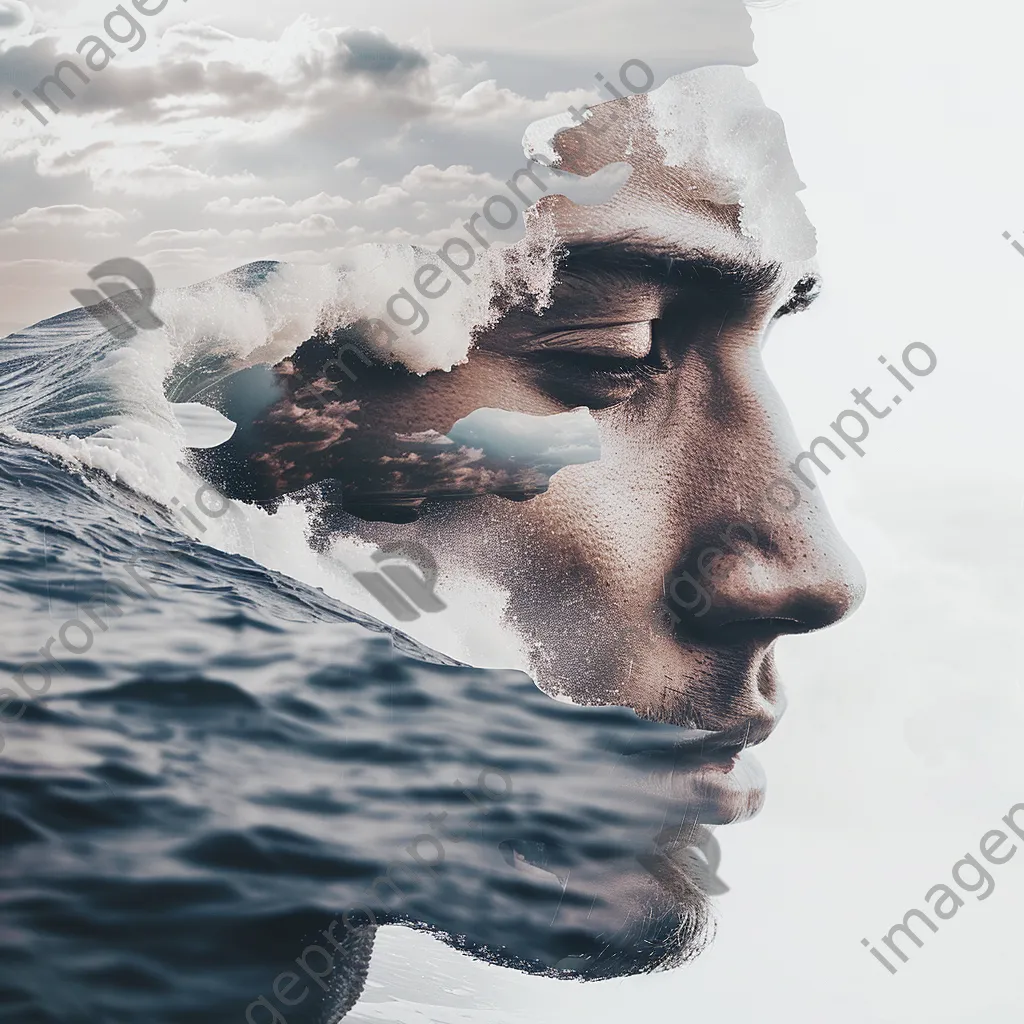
(617, 369)
(597, 381)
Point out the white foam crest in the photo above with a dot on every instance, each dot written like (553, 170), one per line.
(258, 325)
(146, 459)
(470, 629)
(426, 334)
(140, 455)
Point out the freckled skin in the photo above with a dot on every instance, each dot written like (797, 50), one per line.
(689, 448)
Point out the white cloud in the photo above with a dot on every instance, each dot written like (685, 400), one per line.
(316, 226)
(225, 144)
(15, 18)
(458, 179)
(70, 215)
(387, 195)
(271, 205)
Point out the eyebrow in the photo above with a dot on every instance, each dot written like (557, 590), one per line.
(623, 261)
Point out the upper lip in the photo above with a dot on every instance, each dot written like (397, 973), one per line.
(718, 744)
(699, 747)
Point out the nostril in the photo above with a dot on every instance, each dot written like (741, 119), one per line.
(800, 612)
(784, 587)
(747, 614)
(767, 628)
(739, 631)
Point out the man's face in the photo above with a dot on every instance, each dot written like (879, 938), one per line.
(660, 575)
(659, 314)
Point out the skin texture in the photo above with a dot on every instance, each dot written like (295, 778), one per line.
(660, 311)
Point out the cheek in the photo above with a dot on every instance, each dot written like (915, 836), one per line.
(622, 507)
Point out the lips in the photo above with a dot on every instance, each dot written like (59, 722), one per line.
(716, 793)
(710, 777)
(711, 744)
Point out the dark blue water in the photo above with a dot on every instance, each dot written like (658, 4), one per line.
(234, 758)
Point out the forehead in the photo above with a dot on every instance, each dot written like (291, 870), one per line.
(711, 172)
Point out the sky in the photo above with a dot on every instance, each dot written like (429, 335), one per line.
(900, 747)
(259, 131)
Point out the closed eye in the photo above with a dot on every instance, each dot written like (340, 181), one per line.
(594, 378)
(598, 365)
(614, 341)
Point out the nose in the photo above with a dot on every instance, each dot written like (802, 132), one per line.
(763, 578)
(762, 556)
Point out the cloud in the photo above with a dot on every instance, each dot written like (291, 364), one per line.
(271, 205)
(196, 86)
(424, 465)
(15, 15)
(372, 53)
(490, 451)
(456, 180)
(387, 196)
(193, 72)
(222, 142)
(542, 441)
(209, 236)
(316, 226)
(313, 228)
(71, 215)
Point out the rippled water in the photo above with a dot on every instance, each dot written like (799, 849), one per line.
(234, 761)
(232, 758)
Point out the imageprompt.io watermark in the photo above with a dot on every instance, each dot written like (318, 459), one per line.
(942, 900)
(48, 663)
(1013, 241)
(125, 310)
(121, 27)
(458, 254)
(284, 984)
(404, 593)
(918, 361)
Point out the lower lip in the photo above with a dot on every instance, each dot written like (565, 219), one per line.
(719, 793)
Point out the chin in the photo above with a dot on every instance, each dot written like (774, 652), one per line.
(642, 923)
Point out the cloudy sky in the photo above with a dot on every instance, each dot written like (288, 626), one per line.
(247, 129)
(242, 131)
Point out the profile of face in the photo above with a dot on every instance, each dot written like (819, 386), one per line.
(654, 565)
